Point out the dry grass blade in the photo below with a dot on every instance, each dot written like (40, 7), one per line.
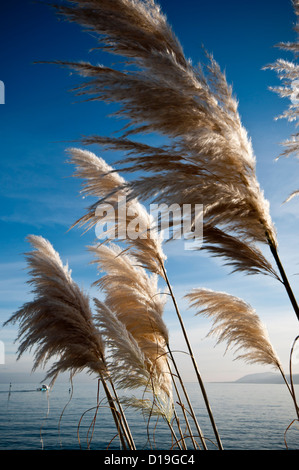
(293, 194)
(236, 323)
(58, 321)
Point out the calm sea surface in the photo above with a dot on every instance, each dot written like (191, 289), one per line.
(248, 417)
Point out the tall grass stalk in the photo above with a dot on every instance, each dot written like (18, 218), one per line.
(182, 440)
(121, 424)
(200, 435)
(198, 376)
(124, 422)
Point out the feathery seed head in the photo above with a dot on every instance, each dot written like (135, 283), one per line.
(135, 308)
(103, 182)
(58, 321)
(236, 323)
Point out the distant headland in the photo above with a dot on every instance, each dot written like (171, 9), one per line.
(266, 378)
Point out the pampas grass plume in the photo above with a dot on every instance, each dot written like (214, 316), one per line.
(58, 321)
(236, 323)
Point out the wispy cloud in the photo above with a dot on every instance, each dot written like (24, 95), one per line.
(42, 209)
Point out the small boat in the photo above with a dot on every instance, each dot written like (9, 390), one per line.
(43, 388)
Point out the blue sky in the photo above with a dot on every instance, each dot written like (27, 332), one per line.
(41, 117)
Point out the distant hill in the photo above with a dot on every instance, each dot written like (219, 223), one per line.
(266, 378)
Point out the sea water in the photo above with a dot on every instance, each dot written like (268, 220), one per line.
(248, 417)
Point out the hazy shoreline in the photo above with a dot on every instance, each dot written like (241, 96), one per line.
(36, 378)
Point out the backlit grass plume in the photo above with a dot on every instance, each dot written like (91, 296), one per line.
(131, 321)
(133, 366)
(134, 298)
(209, 159)
(101, 181)
(288, 73)
(58, 321)
(127, 359)
(236, 323)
